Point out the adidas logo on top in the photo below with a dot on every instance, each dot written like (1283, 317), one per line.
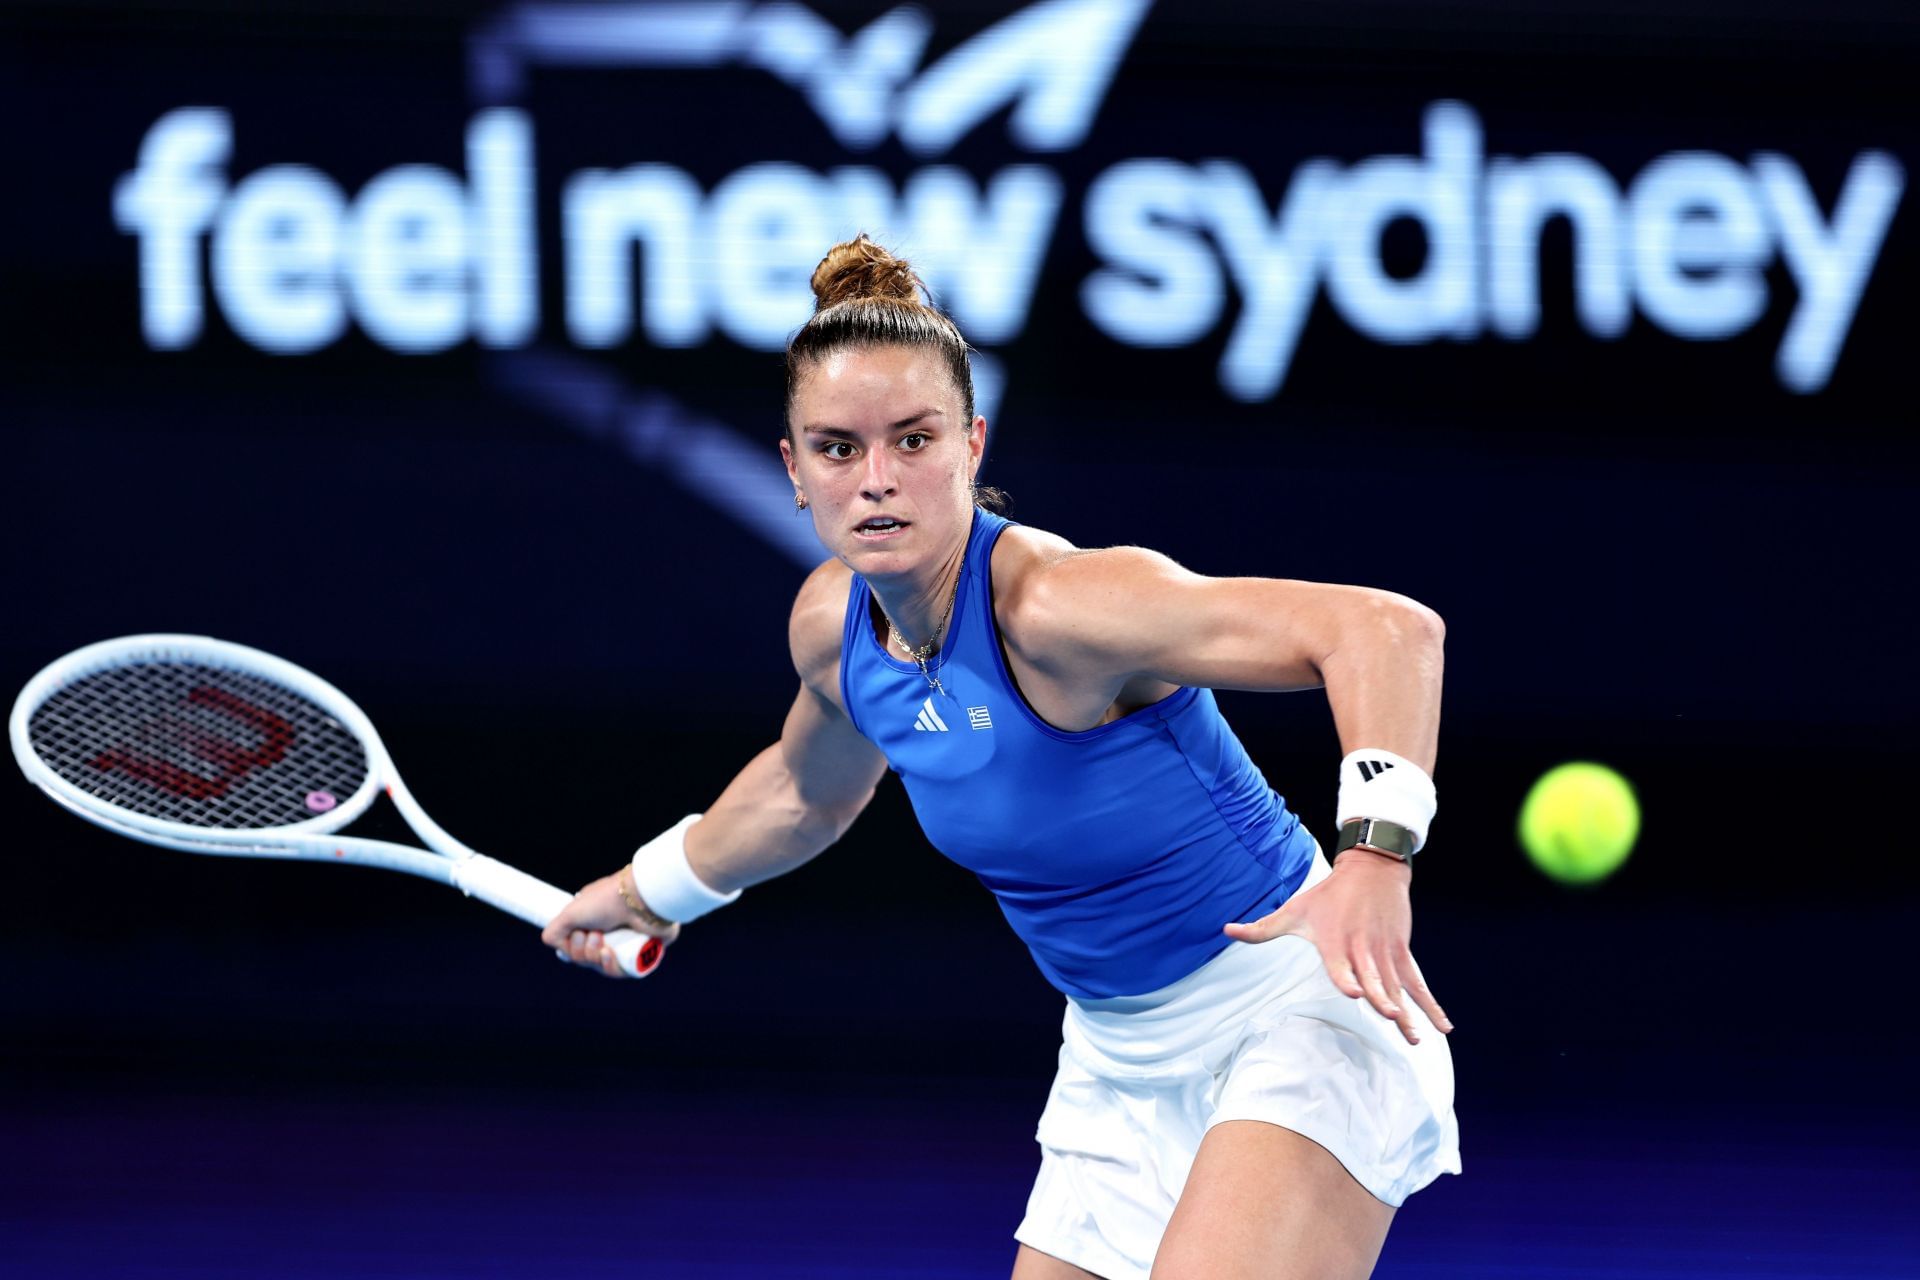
(929, 719)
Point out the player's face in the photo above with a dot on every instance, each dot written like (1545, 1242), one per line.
(878, 446)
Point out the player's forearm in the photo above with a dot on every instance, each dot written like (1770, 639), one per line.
(1383, 678)
(763, 825)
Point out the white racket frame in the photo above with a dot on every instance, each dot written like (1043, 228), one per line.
(445, 859)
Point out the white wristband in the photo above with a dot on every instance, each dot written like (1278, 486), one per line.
(1380, 784)
(665, 881)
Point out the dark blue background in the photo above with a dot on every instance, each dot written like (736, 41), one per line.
(1647, 552)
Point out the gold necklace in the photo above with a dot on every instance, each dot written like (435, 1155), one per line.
(925, 651)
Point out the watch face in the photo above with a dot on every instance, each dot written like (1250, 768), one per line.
(1385, 837)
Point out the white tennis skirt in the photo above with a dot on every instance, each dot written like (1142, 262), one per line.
(1257, 1033)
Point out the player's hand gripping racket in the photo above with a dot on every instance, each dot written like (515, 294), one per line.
(197, 744)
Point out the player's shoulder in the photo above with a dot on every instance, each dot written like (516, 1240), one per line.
(1022, 554)
(1044, 583)
(818, 620)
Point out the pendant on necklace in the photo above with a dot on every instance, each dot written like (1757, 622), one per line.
(919, 658)
(926, 651)
(933, 681)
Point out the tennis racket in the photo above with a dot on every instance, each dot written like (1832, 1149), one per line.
(196, 744)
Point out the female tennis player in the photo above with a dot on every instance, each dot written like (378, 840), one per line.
(1249, 1082)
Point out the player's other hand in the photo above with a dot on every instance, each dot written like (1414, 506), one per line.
(1361, 919)
(579, 932)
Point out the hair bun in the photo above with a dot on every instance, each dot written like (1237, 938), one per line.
(859, 268)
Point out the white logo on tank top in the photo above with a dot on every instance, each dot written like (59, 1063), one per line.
(978, 718)
(929, 719)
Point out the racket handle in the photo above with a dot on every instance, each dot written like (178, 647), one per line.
(535, 901)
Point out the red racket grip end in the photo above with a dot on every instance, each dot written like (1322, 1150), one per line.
(639, 954)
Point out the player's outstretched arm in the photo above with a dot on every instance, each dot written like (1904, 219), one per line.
(789, 803)
(1124, 615)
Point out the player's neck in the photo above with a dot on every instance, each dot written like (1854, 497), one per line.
(919, 604)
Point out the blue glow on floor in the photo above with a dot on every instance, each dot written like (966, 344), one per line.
(830, 1186)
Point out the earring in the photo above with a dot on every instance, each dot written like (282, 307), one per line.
(799, 501)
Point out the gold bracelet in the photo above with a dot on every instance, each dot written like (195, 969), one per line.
(634, 904)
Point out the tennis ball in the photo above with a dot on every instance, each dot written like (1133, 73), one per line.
(1579, 822)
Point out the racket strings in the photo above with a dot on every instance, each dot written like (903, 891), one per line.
(197, 744)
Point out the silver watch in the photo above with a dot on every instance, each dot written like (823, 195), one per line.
(1376, 833)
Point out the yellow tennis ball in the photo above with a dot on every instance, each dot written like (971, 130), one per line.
(1579, 822)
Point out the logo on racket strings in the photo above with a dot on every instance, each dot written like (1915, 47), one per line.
(231, 760)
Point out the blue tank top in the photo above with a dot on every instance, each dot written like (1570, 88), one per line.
(1115, 853)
